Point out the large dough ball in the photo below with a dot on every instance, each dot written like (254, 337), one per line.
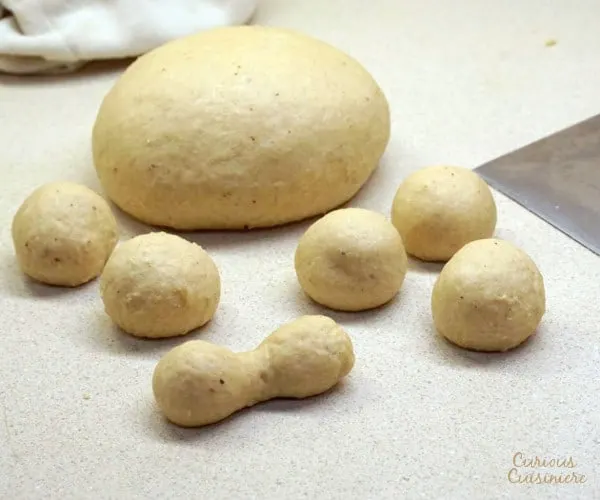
(489, 297)
(351, 259)
(160, 285)
(438, 210)
(237, 127)
(63, 233)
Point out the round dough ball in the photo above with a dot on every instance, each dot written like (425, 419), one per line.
(63, 233)
(239, 127)
(438, 210)
(160, 285)
(489, 297)
(351, 259)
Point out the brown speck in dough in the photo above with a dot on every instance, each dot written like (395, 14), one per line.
(342, 252)
(276, 94)
(251, 108)
(253, 202)
(252, 138)
(221, 381)
(56, 259)
(115, 170)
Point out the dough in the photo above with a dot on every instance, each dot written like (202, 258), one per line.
(438, 210)
(351, 259)
(63, 233)
(198, 383)
(489, 297)
(160, 285)
(239, 127)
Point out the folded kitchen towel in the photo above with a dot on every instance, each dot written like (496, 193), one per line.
(53, 36)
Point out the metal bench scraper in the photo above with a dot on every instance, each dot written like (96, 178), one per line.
(558, 179)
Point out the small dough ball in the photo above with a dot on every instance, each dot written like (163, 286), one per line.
(239, 127)
(160, 285)
(489, 297)
(351, 259)
(63, 233)
(438, 210)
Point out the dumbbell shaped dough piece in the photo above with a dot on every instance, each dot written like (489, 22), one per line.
(198, 383)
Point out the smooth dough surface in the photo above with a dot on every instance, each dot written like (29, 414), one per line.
(439, 209)
(489, 297)
(160, 285)
(351, 259)
(63, 233)
(239, 127)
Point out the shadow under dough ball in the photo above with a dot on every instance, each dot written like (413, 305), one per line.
(438, 210)
(63, 233)
(351, 259)
(239, 127)
(160, 285)
(489, 297)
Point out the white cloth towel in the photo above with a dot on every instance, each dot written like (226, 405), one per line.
(51, 36)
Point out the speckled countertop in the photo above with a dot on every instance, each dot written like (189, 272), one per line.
(467, 80)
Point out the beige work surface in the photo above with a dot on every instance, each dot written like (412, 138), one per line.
(468, 80)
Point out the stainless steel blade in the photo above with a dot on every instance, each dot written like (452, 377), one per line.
(558, 179)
